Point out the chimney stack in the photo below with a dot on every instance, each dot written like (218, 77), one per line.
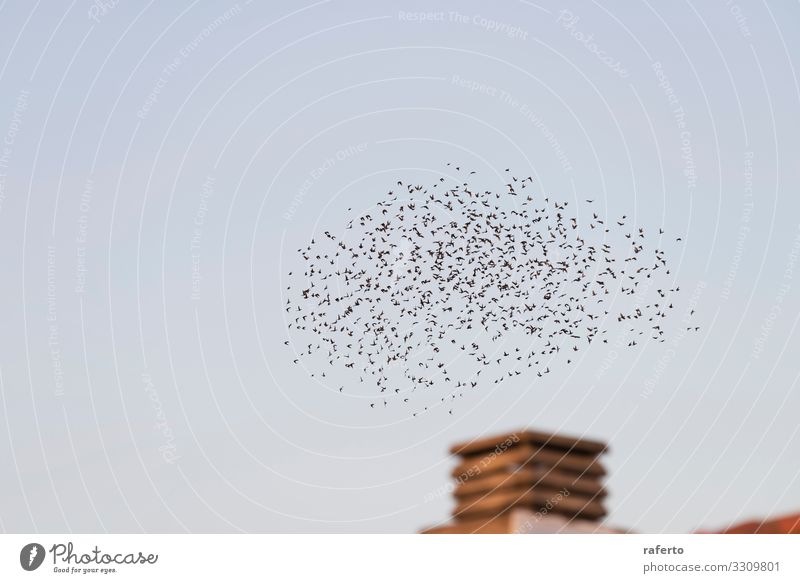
(522, 481)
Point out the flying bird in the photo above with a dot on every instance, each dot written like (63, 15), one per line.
(438, 286)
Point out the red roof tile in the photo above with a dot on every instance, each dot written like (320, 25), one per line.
(783, 525)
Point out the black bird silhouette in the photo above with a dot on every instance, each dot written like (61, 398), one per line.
(438, 286)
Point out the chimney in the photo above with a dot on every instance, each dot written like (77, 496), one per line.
(527, 481)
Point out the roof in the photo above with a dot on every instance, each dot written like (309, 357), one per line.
(783, 525)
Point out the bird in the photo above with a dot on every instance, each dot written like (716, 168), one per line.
(438, 286)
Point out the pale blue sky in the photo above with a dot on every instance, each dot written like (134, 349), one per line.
(161, 162)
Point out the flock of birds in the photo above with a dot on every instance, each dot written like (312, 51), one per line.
(455, 287)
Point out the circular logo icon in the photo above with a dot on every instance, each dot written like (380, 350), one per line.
(31, 556)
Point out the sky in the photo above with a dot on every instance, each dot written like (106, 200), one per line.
(161, 163)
